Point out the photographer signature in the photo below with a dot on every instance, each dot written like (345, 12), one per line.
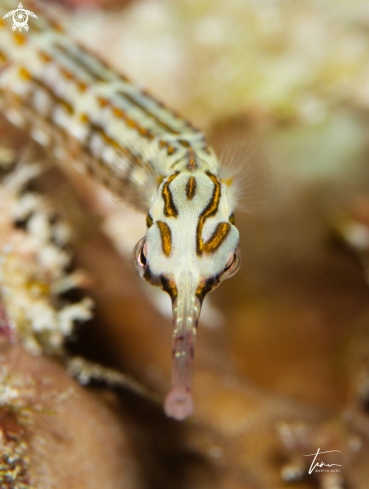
(319, 463)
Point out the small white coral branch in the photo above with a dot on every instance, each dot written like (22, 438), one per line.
(82, 311)
(33, 266)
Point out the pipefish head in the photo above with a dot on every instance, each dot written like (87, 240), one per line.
(190, 247)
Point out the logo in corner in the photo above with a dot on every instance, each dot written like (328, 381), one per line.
(20, 18)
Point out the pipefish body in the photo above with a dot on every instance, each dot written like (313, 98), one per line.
(71, 102)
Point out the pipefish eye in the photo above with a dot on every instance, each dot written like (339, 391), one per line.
(139, 255)
(232, 266)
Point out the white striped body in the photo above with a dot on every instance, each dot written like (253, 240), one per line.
(70, 100)
(72, 103)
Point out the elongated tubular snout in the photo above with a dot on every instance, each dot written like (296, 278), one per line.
(186, 311)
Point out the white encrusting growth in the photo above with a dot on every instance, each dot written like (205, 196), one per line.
(32, 265)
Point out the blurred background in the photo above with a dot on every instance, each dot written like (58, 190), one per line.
(293, 76)
(282, 354)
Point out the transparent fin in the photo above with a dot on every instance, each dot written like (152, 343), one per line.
(244, 169)
(135, 173)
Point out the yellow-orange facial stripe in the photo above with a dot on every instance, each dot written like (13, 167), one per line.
(204, 288)
(149, 221)
(170, 287)
(191, 187)
(220, 234)
(209, 211)
(170, 210)
(166, 237)
(192, 163)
